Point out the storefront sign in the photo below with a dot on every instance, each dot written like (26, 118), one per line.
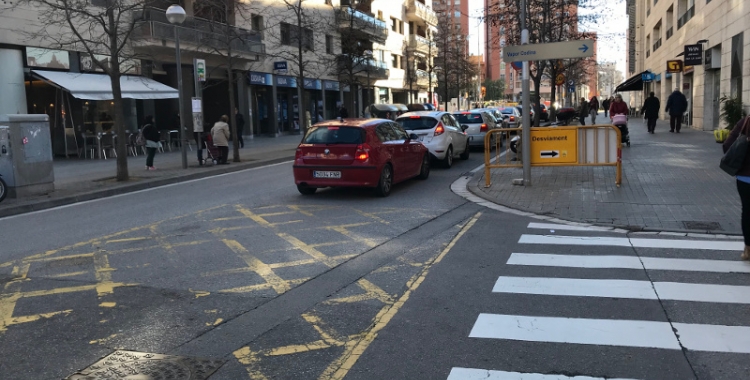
(647, 77)
(693, 54)
(285, 81)
(312, 84)
(330, 85)
(200, 69)
(281, 66)
(262, 79)
(674, 66)
(688, 69)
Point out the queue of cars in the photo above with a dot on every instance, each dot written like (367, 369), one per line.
(378, 153)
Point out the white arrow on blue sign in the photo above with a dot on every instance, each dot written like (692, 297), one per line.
(555, 50)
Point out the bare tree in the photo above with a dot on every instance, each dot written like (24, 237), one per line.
(237, 47)
(547, 21)
(301, 40)
(102, 29)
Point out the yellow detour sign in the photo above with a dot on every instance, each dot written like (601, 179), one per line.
(554, 145)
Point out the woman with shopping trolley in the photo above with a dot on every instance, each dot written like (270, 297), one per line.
(618, 113)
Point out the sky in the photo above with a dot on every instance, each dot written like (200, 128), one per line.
(611, 29)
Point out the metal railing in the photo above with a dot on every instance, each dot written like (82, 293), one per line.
(657, 44)
(686, 17)
(419, 9)
(362, 66)
(596, 145)
(421, 44)
(199, 32)
(670, 32)
(423, 78)
(349, 18)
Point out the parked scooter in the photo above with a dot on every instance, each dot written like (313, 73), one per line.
(3, 188)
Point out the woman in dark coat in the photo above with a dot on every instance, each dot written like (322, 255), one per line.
(743, 181)
(651, 109)
(152, 141)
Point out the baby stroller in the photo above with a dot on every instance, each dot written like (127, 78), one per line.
(565, 115)
(621, 122)
(211, 150)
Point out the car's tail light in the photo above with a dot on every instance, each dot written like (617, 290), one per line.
(483, 128)
(439, 130)
(512, 118)
(414, 117)
(363, 152)
(298, 155)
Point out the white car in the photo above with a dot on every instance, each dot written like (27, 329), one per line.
(439, 132)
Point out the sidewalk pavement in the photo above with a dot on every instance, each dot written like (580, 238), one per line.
(671, 182)
(79, 180)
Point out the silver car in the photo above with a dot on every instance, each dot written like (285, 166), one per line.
(512, 117)
(439, 132)
(478, 123)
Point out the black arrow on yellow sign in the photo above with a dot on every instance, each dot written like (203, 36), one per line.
(549, 153)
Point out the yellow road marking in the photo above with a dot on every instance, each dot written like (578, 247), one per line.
(108, 304)
(253, 288)
(103, 273)
(126, 240)
(31, 318)
(276, 214)
(103, 340)
(216, 323)
(372, 216)
(70, 274)
(247, 357)
(339, 368)
(279, 285)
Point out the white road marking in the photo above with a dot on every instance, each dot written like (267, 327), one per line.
(578, 331)
(714, 245)
(612, 332)
(629, 262)
(565, 227)
(674, 291)
(458, 373)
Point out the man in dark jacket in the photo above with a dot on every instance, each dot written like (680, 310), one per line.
(606, 104)
(651, 109)
(240, 126)
(676, 106)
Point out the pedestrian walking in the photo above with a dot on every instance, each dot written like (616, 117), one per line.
(198, 136)
(676, 106)
(152, 141)
(651, 109)
(583, 111)
(343, 113)
(220, 135)
(618, 107)
(593, 109)
(743, 181)
(605, 105)
(240, 126)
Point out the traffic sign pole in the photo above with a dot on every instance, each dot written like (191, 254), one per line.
(526, 132)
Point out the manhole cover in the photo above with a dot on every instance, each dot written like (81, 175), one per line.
(703, 226)
(145, 366)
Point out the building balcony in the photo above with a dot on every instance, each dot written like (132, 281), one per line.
(657, 45)
(353, 21)
(670, 32)
(423, 79)
(417, 10)
(422, 45)
(196, 34)
(686, 17)
(362, 67)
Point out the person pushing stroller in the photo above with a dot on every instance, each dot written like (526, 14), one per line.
(618, 113)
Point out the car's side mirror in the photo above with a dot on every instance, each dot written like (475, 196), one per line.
(464, 127)
(413, 136)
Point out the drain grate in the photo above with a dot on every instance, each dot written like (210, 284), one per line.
(703, 226)
(146, 366)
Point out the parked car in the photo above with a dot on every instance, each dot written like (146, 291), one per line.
(440, 132)
(531, 112)
(512, 117)
(373, 153)
(421, 107)
(497, 115)
(478, 124)
(544, 116)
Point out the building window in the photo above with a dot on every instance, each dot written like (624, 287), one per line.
(290, 35)
(329, 44)
(256, 23)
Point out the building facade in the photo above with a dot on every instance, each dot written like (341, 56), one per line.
(392, 45)
(720, 27)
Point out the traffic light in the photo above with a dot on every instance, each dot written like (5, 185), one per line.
(484, 91)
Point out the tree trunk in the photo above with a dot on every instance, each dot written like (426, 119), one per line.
(233, 117)
(122, 139)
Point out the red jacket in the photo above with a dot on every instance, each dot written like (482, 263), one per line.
(618, 108)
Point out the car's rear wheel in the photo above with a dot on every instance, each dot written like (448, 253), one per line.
(448, 160)
(3, 189)
(467, 150)
(386, 181)
(424, 172)
(306, 190)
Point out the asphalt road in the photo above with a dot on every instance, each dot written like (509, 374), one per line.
(260, 282)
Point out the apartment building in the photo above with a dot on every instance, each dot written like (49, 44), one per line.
(390, 45)
(663, 28)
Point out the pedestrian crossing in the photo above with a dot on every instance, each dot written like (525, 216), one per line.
(587, 277)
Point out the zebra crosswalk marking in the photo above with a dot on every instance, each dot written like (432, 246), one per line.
(675, 291)
(458, 373)
(629, 262)
(714, 245)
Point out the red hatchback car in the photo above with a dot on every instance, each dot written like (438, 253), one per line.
(373, 153)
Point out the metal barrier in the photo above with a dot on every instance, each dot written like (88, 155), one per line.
(585, 145)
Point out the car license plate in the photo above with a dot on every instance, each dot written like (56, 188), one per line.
(421, 137)
(326, 174)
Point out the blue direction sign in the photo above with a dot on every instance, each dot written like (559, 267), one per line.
(555, 50)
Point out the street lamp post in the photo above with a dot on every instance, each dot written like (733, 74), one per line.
(176, 16)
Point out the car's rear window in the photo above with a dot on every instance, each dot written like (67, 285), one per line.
(413, 123)
(507, 110)
(468, 118)
(329, 134)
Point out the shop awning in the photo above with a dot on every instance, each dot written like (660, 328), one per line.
(634, 83)
(98, 86)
